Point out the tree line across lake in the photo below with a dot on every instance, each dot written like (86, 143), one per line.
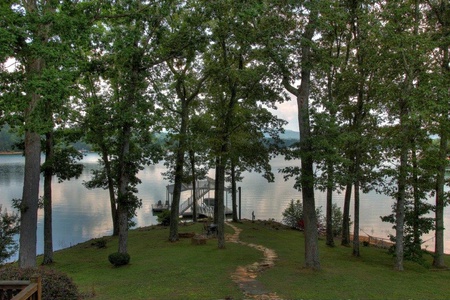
(370, 79)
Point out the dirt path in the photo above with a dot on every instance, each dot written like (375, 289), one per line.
(245, 276)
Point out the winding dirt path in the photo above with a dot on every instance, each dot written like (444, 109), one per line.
(245, 276)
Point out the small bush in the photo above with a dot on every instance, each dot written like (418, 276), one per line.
(99, 243)
(9, 226)
(119, 259)
(164, 218)
(55, 285)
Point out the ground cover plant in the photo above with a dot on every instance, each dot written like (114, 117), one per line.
(162, 270)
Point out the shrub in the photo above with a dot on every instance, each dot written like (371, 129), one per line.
(293, 216)
(9, 226)
(99, 243)
(55, 285)
(164, 218)
(119, 259)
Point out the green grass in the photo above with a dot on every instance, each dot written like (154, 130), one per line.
(163, 270)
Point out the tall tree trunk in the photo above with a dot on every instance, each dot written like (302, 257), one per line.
(112, 196)
(48, 175)
(416, 204)
(401, 193)
(438, 260)
(194, 185)
(123, 201)
(30, 195)
(356, 220)
(329, 228)
(179, 163)
(220, 180)
(233, 193)
(30, 199)
(346, 215)
(307, 177)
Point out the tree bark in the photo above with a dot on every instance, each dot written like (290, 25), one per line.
(194, 185)
(401, 192)
(233, 192)
(112, 196)
(48, 175)
(123, 200)
(329, 225)
(356, 225)
(438, 260)
(346, 215)
(179, 163)
(220, 179)
(30, 199)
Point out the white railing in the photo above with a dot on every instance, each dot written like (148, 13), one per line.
(200, 192)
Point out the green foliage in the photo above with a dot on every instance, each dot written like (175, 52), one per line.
(9, 227)
(8, 140)
(119, 259)
(293, 216)
(55, 284)
(99, 243)
(336, 219)
(415, 226)
(164, 218)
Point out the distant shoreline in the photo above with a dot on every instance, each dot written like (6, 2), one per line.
(9, 152)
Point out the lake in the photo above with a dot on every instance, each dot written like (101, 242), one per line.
(80, 214)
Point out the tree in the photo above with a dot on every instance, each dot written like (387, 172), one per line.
(239, 83)
(439, 16)
(292, 53)
(32, 31)
(185, 44)
(125, 57)
(62, 162)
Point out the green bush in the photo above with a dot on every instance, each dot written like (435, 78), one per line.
(9, 226)
(164, 218)
(119, 259)
(55, 285)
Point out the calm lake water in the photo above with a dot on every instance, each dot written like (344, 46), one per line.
(80, 214)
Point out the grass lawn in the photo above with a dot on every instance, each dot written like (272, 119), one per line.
(163, 270)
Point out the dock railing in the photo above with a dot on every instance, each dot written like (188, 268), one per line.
(21, 289)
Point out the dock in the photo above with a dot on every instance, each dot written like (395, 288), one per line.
(203, 201)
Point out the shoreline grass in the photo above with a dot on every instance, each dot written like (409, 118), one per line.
(163, 270)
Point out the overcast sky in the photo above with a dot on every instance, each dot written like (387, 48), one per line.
(288, 112)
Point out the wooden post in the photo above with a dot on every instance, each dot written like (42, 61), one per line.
(37, 279)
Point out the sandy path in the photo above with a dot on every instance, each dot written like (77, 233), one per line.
(245, 276)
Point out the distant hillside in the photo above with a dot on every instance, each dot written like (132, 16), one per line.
(290, 135)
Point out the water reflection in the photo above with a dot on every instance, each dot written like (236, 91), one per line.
(81, 214)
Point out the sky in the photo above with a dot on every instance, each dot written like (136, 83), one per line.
(288, 111)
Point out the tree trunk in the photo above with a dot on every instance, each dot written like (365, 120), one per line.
(123, 200)
(233, 193)
(329, 226)
(307, 177)
(400, 205)
(194, 186)
(220, 179)
(112, 196)
(30, 199)
(346, 215)
(30, 195)
(48, 175)
(356, 224)
(438, 260)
